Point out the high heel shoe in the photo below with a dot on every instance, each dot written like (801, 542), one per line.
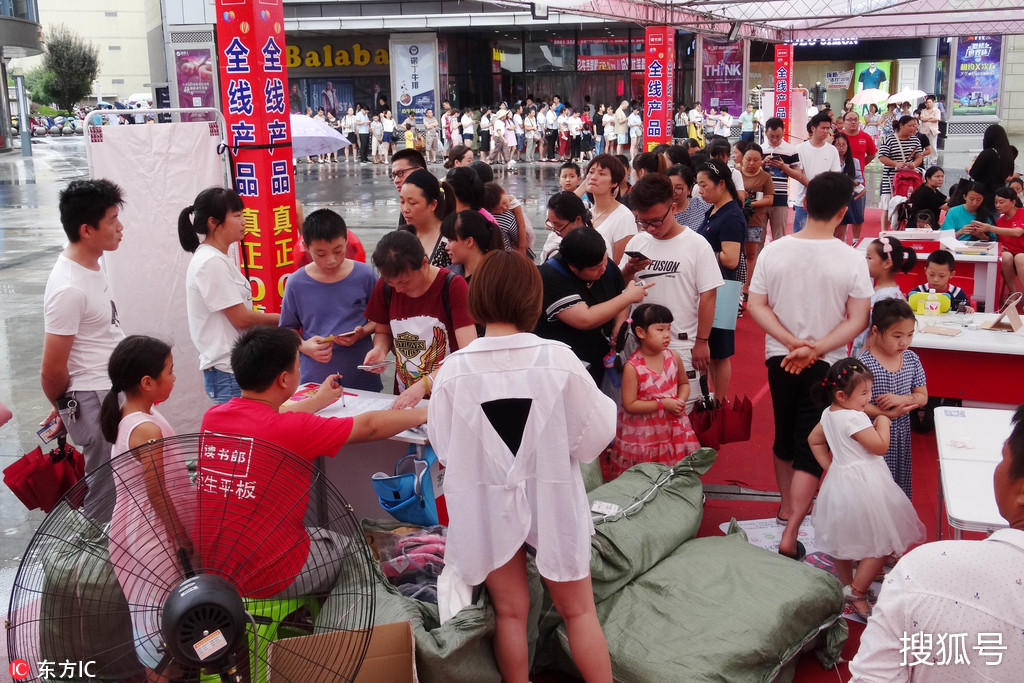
(853, 596)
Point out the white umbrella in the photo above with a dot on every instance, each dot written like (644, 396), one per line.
(311, 137)
(870, 96)
(906, 96)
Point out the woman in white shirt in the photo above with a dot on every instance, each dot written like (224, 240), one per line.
(348, 129)
(611, 218)
(388, 122)
(217, 296)
(511, 416)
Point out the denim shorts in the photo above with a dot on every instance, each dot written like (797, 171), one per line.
(220, 386)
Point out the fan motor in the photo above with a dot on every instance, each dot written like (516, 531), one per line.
(203, 619)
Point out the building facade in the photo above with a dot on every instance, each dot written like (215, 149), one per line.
(20, 36)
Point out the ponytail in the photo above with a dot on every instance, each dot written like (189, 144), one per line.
(213, 202)
(890, 248)
(135, 357)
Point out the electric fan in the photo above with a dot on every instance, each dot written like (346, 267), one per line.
(254, 570)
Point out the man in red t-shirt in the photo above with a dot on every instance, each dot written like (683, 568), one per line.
(252, 500)
(864, 151)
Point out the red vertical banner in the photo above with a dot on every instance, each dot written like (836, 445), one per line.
(254, 97)
(784, 85)
(659, 82)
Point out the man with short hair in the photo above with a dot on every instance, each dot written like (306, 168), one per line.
(404, 162)
(816, 157)
(690, 291)
(747, 124)
(782, 161)
(444, 140)
(551, 129)
(970, 589)
(363, 131)
(811, 294)
(82, 329)
(863, 148)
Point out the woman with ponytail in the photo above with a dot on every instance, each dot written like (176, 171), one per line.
(153, 525)
(217, 295)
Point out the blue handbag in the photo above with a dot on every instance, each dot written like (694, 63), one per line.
(408, 495)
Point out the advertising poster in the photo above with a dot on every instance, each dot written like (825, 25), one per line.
(722, 83)
(414, 69)
(193, 69)
(838, 80)
(255, 101)
(783, 84)
(869, 75)
(659, 84)
(976, 75)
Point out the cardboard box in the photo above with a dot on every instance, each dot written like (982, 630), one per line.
(390, 656)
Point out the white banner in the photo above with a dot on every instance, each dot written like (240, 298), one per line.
(161, 168)
(839, 80)
(413, 75)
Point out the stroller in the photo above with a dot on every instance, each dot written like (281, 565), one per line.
(900, 209)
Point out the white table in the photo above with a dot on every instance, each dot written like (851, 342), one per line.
(976, 365)
(970, 443)
(351, 469)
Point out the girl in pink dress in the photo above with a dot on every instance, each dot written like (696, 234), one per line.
(652, 425)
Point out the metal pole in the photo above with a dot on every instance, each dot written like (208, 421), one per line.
(24, 126)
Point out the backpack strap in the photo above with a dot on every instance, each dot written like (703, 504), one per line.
(445, 298)
(559, 266)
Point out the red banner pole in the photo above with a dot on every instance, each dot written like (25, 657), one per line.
(254, 99)
(784, 85)
(659, 82)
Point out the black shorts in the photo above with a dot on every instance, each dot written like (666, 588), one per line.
(796, 413)
(722, 343)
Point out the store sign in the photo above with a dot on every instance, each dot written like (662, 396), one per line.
(414, 74)
(783, 105)
(659, 82)
(254, 93)
(839, 80)
(329, 56)
(976, 75)
(722, 83)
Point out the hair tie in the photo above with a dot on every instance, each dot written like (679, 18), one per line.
(629, 321)
(886, 246)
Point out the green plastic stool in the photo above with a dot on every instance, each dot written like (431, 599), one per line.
(268, 615)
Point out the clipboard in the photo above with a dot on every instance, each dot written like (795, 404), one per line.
(1008, 320)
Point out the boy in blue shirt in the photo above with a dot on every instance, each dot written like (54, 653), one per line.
(939, 268)
(324, 302)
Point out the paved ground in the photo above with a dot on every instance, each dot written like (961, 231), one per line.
(30, 238)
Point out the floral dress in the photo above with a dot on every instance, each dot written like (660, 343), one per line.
(650, 437)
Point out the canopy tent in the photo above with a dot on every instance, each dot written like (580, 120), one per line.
(790, 20)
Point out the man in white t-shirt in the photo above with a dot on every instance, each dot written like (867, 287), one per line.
(682, 268)
(81, 328)
(816, 157)
(811, 294)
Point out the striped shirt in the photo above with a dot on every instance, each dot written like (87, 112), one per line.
(780, 180)
(899, 151)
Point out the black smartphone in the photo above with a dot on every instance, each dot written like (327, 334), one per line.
(636, 255)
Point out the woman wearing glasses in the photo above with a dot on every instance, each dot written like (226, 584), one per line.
(585, 298)
(725, 228)
(690, 209)
(565, 212)
(424, 205)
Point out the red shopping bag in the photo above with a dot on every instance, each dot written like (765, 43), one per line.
(39, 480)
(737, 417)
(706, 418)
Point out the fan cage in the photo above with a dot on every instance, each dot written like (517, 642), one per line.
(92, 590)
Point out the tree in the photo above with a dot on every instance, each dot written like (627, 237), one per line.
(36, 81)
(73, 63)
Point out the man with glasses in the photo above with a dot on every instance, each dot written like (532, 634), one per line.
(404, 162)
(683, 266)
(782, 162)
(864, 150)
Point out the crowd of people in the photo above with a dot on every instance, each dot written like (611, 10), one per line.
(650, 259)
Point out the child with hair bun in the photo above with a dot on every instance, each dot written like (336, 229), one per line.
(652, 423)
(859, 515)
(899, 381)
(886, 256)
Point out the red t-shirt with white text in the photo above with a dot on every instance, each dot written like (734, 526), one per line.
(252, 501)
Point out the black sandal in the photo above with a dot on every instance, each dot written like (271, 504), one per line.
(801, 552)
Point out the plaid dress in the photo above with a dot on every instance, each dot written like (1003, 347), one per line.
(909, 377)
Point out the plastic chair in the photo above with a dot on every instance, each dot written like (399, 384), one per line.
(965, 283)
(269, 615)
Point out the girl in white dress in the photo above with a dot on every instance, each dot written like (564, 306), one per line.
(152, 517)
(861, 514)
(511, 416)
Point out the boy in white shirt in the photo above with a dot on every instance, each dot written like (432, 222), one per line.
(811, 294)
(816, 156)
(82, 329)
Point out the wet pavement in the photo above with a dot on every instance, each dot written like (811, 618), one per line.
(31, 237)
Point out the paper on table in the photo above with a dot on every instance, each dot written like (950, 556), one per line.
(357, 405)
